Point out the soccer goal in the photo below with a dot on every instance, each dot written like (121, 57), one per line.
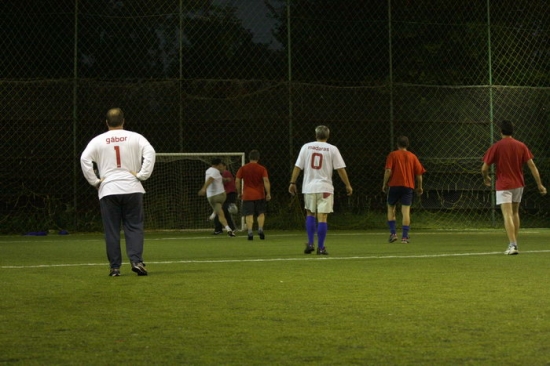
(172, 201)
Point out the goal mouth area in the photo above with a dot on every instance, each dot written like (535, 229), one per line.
(172, 201)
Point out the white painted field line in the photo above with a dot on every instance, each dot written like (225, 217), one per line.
(283, 259)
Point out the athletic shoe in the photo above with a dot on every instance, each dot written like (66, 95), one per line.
(261, 235)
(212, 216)
(230, 233)
(393, 237)
(405, 240)
(322, 251)
(217, 232)
(309, 249)
(139, 268)
(512, 250)
(115, 272)
(250, 237)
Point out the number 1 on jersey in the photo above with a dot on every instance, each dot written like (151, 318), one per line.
(117, 151)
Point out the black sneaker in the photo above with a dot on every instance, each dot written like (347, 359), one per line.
(115, 272)
(250, 237)
(139, 268)
(393, 238)
(309, 249)
(217, 232)
(230, 233)
(322, 251)
(261, 235)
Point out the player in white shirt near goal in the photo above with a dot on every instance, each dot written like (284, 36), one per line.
(215, 192)
(318, 160)
(123, 160)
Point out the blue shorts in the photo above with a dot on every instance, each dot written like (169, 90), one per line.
(401, 194)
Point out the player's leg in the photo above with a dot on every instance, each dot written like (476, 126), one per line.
(516, 199)
(230, 198)
(111, 217)
(325, 203)
(216, 203)
(504, 199)
(310, 204)
(406, 202)
(132, 223)
(392, 199)
(260, 211)
(248, 213)
(515, 218)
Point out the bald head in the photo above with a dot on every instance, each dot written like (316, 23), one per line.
(115, 117)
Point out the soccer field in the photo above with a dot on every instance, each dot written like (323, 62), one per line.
(447, 298)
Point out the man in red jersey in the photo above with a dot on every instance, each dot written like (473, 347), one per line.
(509, 155)
(403, 169)
(255, 192)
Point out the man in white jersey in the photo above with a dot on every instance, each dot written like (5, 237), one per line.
(215, 192)
(123, 160)
(318, 160)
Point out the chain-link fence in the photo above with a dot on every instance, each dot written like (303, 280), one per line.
(228, 75)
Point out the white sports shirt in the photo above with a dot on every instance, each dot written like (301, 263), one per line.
(318, 160)
(216, 187)
(116, 153)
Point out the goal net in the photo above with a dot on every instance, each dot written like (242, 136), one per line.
(172, 201)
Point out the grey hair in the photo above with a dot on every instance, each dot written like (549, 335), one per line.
(322, 132)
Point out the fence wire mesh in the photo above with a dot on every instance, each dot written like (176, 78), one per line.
(227, 75)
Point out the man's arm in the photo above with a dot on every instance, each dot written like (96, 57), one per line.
(148, 164)
(267, 186)
(344, 176)
(209, 181)
(238, 187)
(292, 189)
(485, 174)
(419, 189)
(387, 176)
(536, 175)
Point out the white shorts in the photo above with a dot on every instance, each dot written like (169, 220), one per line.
(319, 202)
(509, 196)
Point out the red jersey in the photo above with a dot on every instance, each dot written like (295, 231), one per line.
(508, 155)
(252, 175)
(229, 186)
(405, 166)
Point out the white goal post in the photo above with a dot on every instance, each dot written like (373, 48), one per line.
(171, 201)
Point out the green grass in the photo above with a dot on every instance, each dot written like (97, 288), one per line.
(447, 298)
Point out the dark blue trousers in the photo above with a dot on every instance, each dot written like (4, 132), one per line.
(124, 210)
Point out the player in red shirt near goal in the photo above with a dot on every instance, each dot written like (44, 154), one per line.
(403, 169)
(509, 155)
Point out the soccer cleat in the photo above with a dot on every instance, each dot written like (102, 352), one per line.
(261, 235)
(322, 251)
(512, 250)
(139, 268)
(309, 249)
(393, 237)
(230, 233)
(115, 272)
(217, 232)
(250, 237)
(405, 240)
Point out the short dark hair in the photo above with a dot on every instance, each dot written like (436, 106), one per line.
(254, 155)
(506, 128)
(216, 161)
(403, 141)
(115, 117)
(322, 132)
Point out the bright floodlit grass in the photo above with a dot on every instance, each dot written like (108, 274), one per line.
(447, 298)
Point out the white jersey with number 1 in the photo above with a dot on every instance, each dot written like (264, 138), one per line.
(116, 153)
(318, 160)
